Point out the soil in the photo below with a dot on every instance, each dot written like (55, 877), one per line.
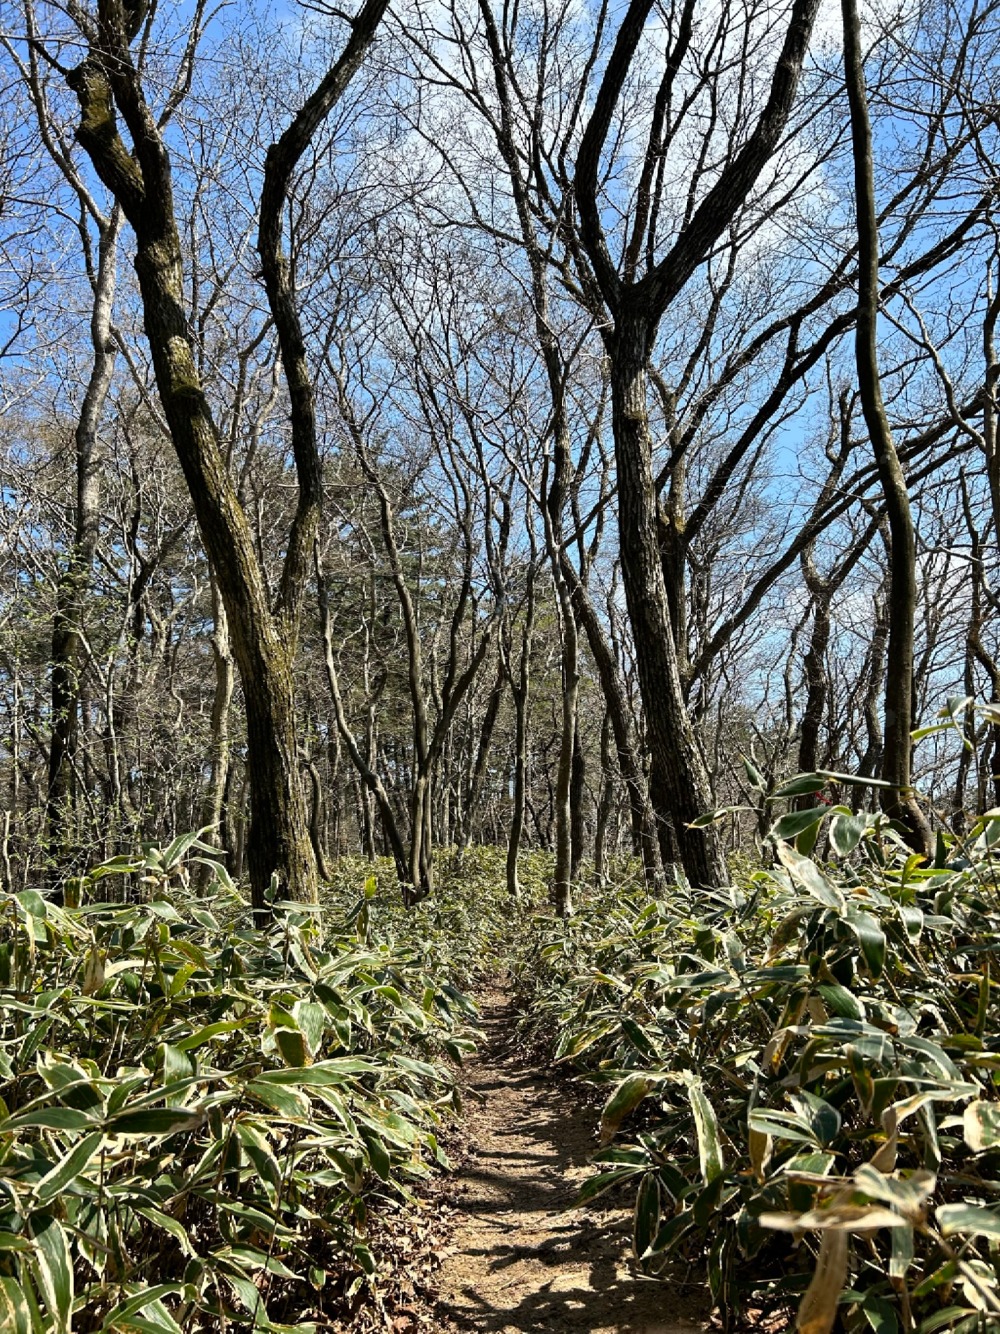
(519, 1258)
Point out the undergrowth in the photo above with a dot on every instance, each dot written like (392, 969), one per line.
(200, 1121)
(198, 1118)
(803, 1072)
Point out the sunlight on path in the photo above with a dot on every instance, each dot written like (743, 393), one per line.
(517, 1260)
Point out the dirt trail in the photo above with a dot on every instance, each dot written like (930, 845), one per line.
(516, 1261)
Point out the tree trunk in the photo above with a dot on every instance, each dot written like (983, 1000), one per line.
(520, 690)
(645, 843)
(278, 847)
(577, 789)
(373, 788)
(74, 581)
(898, 801)
(604, 805)
(483, 750)
(211, 812)
(683, 792)
(562, 876)
(817, 680)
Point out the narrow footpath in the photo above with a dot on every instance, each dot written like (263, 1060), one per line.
(517, 1259)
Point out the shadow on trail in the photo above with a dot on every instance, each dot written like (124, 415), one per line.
(521, 1258)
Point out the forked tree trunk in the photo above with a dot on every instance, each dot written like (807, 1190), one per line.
(278, 846)
(107, 83)
(679, 783)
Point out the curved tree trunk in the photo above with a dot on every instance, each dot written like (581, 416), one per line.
(107, 83)
(898, 801)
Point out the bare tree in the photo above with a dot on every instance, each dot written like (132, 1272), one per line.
(108, 83)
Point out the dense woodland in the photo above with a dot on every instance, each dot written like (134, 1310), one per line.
(506, 456)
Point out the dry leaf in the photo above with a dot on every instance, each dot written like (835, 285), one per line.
(818, 1308)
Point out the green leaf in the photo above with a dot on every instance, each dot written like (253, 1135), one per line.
(169, 1225)
(802, 785)
(33, 904)
(183, 843)
(841, 1001)
(122, 1313)
(626, 1097)
(292, 1045)
(50, 1118)
(981, 1125)
(846, 832)
(852, 780)
(289, 1102)
(639, 1039)
(878, 1312)
(713, 817)
(822, 1118)
(946, 1319)
(312, 1020)
(968, 1218)
(902, 1253)
(206, 1034)
(781, 1125)
(870, 936)
(809, 876)
(53, 1270)
(15, 1315)
(323, 1073)
(919, 733)
(155, 1121)
(707, 1126)
(377, 1154)
(912, 919)
(796, 822)
(647, 1214)
(604, 1181)
(906, 1192)
(13, 1241)
(68, 1168)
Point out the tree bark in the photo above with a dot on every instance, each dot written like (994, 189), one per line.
(680, 787)
(605, 804)
(817, 680)
(520, 691)
(483, 749)
(211, 812)
(677, 762)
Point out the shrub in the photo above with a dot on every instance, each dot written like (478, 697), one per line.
(198, 1116)
(803, 1072)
